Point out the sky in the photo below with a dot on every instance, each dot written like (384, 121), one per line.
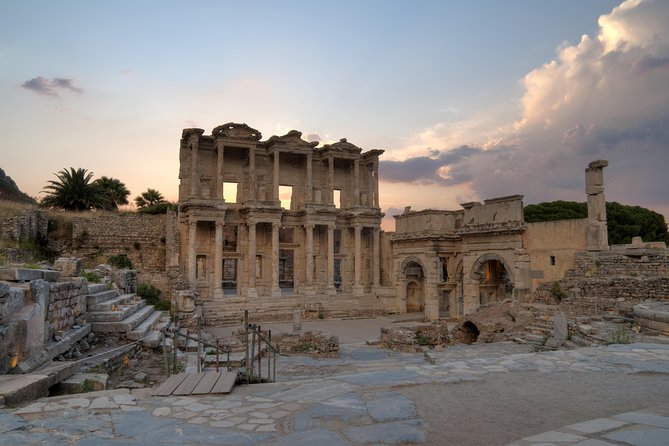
(469, 99)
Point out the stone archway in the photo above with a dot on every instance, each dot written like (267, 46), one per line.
(415, 286)
(494, 277)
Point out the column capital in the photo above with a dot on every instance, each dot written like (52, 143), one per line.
(192, 219)
(309, 226)
(193, 138)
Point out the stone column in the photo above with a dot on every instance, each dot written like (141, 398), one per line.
(251, 291)
(357, 286)
(275, 176)
(309, 257)
(219, 168)
(598, 237)
(330, 270)
(376, 182)
(218, 259)
(276, 291)
(194, 175)
(252, 174)
(310, 192)
(331, 179)
(192, 255)
(376, 259)
(356, 182)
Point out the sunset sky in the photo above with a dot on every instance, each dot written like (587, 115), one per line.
(470, 99)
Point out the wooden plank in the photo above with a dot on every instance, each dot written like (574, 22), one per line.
(206, 383)
(188, 384)
(166, 388)
(225, 383)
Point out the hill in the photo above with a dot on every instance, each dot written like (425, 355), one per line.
(9, 191)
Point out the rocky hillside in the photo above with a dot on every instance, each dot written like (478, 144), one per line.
(9, 191)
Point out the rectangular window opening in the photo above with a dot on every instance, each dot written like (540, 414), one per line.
(286, 196)
(230, 192)
(552, 260)
(336, 198)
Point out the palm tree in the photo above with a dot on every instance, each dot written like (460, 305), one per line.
(73, 191)
(149, 198)
(114, 190)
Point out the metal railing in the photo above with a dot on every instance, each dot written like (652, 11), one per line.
(255, 334)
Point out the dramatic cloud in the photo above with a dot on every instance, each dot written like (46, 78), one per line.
(605, 97)
(311, 137)
(50, 87)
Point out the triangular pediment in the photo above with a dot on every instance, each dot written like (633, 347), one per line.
(292, 139)
(234, 130)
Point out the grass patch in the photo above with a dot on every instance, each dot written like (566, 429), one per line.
(620, 335)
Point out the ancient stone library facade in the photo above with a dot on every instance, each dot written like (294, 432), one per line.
(272, 226)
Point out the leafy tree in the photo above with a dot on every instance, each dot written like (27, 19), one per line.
(114, 190)
(623, 221)
(73, 191)
(149, 198)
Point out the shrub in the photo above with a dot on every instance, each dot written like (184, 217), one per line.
(152, 296)
(557, 292)
(120, 261)
(90, 277)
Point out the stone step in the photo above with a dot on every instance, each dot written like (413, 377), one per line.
(145, 327)
(126, 325)
(117, 315)
(534, 339)
(100, 296)
(108, 305)
(153, 340)
(96, 287)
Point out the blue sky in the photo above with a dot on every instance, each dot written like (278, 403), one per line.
(108, 86)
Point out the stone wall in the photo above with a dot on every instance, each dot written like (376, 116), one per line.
(67, 305)
(29, 224)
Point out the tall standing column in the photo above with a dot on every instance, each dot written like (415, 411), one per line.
(218, 258)
(597, 235)
(275, 176)
(276, 291)
(220, 152)
(194, 176)
(357, 287)
(252, 270)
(310, 192)
(309, 254)
(376, 182)
(376, 259)
(252, 174)
(330, 270)
(331, 179)
(356, 182)
(192, 255)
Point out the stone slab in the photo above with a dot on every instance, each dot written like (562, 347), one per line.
(398, 432)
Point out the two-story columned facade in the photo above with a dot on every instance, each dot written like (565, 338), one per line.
(280, 222)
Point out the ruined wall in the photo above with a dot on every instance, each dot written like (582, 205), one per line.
(67, 305)
(30, 223)
(552, 246)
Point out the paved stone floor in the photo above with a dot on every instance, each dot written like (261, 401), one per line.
(361, 398)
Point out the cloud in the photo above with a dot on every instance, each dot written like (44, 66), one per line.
(311, 137)
(50, 87)
(604, 97)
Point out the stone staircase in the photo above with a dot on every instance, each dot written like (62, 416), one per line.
(125, 315)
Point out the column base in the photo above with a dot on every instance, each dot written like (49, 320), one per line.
(309, 291)
(251, 292)
(358, 290)
(276, 292)
(331, 291)
(218, 294)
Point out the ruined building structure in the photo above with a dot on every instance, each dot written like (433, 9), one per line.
(277, 224)
(449, 263)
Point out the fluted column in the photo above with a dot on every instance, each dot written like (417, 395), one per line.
(275, 176)
(220, 153)
(309, 257)
(252, 270)
(376, 182)
(276, 291)
(330, 268)
(376, 259)
(218, 257)
(192, 255)
(194, 176)
(357, 287)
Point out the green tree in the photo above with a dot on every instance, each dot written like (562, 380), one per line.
(114, 191)
(73, 191)
(149, 198)
(623, 221)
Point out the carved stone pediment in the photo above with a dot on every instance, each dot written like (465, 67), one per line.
(291, 139)
(234, 130)
(343, 146)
